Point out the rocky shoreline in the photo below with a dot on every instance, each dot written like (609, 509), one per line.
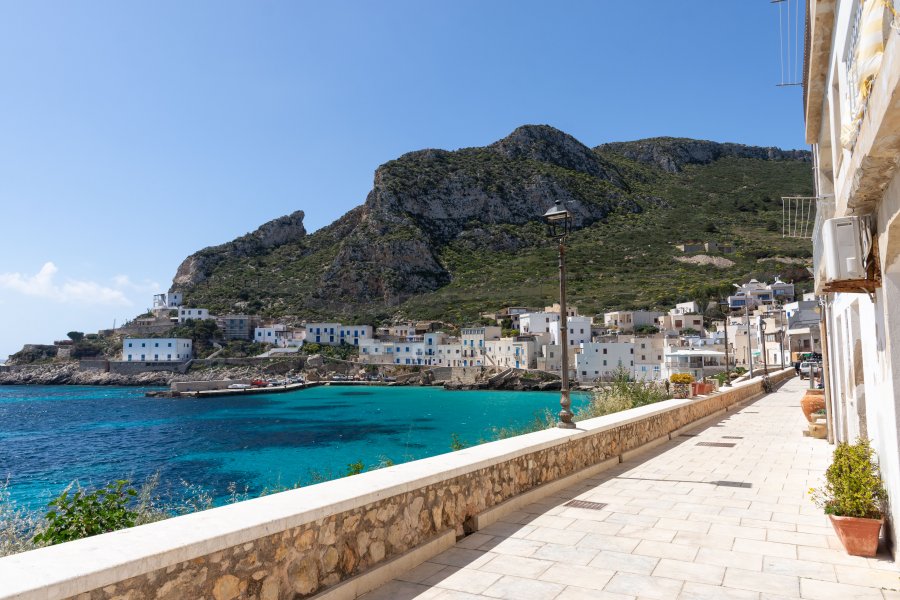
(71, 374)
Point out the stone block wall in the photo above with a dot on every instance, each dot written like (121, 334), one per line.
(300, 561)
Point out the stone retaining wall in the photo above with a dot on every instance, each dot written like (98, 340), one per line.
(121, 367)
(298, 543)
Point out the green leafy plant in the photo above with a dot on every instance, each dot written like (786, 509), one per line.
(853, 485)
(620, 394)
(456, 443)
(355, 468)
(83, 514)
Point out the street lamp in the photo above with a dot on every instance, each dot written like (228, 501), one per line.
(762, 336)
(559, 224)
(727, 366)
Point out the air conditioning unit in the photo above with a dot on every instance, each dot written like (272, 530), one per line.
(845, 247)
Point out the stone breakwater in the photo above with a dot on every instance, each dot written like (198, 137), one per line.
(299, 543)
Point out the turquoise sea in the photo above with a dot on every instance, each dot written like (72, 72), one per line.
(52, 435)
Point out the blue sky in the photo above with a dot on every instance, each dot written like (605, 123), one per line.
(132, 135)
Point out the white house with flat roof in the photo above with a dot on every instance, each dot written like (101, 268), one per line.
(157, 349)
(699, 362)
(193, 314)
(279, 335)
(334, 333)
(625, 321)
(579, 331)
(517, 352)
(537, 322)
(599, 360)
(473, 344)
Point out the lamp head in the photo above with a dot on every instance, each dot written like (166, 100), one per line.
(559, 220)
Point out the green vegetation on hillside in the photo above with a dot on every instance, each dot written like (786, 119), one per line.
(623, 256)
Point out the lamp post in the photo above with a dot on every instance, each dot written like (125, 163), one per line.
(727, 366)
(781, 319)
(559, 223)
(762, 340)
(749, 345)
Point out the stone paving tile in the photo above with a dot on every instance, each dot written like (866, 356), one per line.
(518, 566)
(730, 558)
(800, 568)
(561, 553)
(520, 588)
(580, 576)
(868, 577)
(689, 571)
(663, 550)
(702, 591)
(511, 546)
(472, 581)
(670, 531)
(784, 585)
(625, 563)
(815, 589)
(644, 586)
(576, 593)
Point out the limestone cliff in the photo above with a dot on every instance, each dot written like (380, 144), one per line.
(197, 267)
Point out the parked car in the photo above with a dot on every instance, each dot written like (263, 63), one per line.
(806, 366)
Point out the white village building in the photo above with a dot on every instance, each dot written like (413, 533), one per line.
(193, 314)
(599, 360)
(157, 349)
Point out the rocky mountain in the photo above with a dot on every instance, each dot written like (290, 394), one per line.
(672, 154)
(450, 234)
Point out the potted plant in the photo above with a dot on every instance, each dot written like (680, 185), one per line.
(681, 383)
(812, 401)
(853, 497)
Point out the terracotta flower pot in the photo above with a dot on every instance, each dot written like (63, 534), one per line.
(859, 536)
(812, 401)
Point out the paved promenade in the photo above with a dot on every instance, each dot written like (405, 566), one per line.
(683, 521)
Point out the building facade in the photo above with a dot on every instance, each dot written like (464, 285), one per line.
(853, 124)
(193, 314)
(157, 349)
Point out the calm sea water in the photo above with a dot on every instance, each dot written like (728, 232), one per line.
(50, 436)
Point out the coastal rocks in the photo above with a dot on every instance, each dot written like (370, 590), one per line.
(70, 373)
